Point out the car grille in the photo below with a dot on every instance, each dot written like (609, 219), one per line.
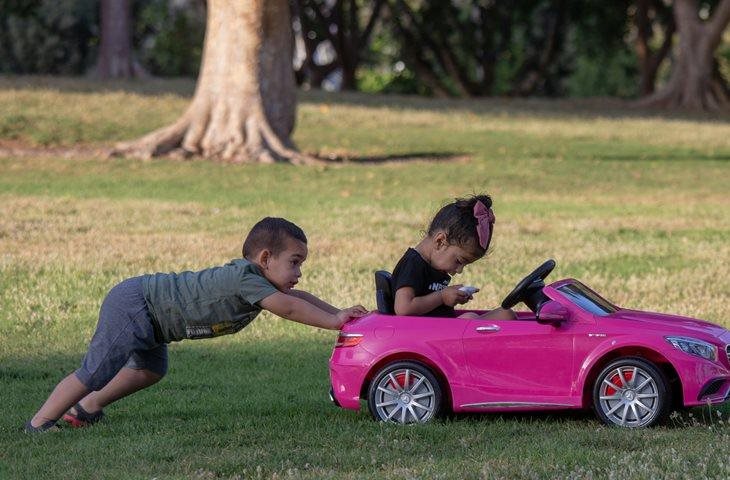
(727, 352)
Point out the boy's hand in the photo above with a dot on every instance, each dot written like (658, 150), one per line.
(347, 314)
(451, 296)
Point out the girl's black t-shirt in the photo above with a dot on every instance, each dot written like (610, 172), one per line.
(415, 272)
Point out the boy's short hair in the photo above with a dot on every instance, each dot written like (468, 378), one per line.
(271, 233)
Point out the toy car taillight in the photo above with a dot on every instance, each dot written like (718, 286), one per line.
(348, 339)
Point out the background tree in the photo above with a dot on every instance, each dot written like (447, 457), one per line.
(47, 37)
(244, 105)
(654, 25)
(695, 81)
(116, 58)
(477, 47)
(545, 43)
(346, 26)
(453, 47)
(597, 58)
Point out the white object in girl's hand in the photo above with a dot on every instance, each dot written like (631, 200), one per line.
(469, 289)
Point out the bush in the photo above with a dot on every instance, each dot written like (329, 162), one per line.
(380, 80)
(62, 36)
(170, 37)
(47, 36)
(613, 75)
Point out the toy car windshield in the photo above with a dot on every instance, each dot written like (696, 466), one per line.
(587, 299)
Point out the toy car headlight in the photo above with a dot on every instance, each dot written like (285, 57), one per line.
(694, 347)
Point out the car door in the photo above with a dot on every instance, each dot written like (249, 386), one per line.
(520, 360)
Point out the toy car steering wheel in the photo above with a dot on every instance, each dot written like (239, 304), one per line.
(528, 285)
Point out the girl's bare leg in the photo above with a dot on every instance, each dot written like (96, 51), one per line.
(500, 313)
(496, 314)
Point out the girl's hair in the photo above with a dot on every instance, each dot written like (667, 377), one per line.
(457, 220)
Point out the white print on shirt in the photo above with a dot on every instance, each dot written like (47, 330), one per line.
(435, 287)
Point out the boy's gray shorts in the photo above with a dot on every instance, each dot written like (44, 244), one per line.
(124, 337)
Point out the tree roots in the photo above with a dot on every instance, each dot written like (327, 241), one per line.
(217, 135)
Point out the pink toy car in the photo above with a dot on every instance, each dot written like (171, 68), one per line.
(574, 350)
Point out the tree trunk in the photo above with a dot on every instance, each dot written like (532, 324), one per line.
(244, 105)
(650, 59)
(116, 59)
(693, 84)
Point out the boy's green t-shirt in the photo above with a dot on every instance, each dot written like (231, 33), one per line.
(211, 302)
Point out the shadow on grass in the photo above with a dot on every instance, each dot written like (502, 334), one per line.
(397, 158)
(588, 108)
(706, 416)
(546, 418)
(673, 157)
(583, 108)
(183, 87)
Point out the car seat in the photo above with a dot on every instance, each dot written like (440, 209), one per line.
(384, 292)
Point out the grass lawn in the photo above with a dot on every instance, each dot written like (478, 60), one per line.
(635, 205)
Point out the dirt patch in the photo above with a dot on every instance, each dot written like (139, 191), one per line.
(15, 148)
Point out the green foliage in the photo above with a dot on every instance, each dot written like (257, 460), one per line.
(62, 36)
(496, 47)
(611, 75)
(371, 80)
(598, 61)
(170, 39)
(723, 58)
(47, 36)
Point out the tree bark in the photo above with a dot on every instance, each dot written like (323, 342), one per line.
(244, 105)
(693, 83)
(650, 59)
(116, 59)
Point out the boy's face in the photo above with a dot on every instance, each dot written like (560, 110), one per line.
(284, 269)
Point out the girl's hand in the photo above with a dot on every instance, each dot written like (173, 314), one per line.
(347, 314)
(451, 296)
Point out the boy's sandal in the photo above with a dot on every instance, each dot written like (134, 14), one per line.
(82, 418)
(49, 426)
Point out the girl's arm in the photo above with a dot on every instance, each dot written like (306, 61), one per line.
(317, 302)
(299, 310)
(407, 303)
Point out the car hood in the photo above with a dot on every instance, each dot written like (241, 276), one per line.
(676, 323)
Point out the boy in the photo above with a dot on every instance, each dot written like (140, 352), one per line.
(141, 315)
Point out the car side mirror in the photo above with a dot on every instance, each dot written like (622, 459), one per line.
(552, 312)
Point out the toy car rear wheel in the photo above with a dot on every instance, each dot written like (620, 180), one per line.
(405, 392)
(631, 392)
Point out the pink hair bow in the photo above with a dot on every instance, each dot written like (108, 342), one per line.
(485, 220)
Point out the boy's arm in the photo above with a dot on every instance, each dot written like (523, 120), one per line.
(317, 302)
(407, 303)
(299, 310)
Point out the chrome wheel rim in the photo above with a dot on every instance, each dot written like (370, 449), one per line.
(629, 396)
(405, 396)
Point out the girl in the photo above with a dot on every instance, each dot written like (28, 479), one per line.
(459, 234)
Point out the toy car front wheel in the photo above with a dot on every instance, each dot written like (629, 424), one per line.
(404, 392)
(631, 392)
